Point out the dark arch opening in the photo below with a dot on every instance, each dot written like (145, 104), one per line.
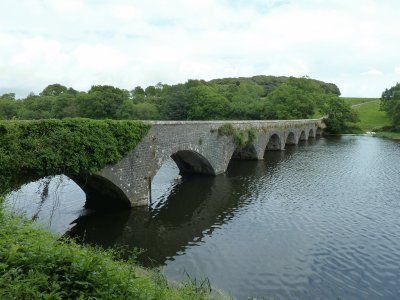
(191, 162)
(303, 136)
(318, 132)
(291, 139)
(274, 142)
(101, 193)
(247, 152)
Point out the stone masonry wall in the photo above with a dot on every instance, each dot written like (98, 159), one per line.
(196, 147)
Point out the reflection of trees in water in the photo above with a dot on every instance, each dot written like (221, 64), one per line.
(49, 191)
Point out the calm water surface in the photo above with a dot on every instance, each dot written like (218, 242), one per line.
(318, 221)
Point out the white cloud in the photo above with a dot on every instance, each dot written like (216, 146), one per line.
(126, 12)
(98, 57)
(373, 72)
(127, 43)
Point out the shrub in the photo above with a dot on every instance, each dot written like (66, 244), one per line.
(70, 146)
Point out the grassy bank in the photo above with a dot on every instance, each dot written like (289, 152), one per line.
(368, 109)
(35, 264)
(388, 135)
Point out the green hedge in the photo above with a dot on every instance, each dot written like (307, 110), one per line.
(69, 146)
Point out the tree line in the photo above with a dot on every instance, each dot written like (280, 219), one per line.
(390, 102)
(244, 98)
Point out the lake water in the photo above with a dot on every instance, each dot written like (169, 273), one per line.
(320, 220)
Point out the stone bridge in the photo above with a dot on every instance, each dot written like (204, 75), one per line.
(196, 147)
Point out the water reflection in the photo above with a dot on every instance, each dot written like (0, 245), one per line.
(194, 207)
(53, 201)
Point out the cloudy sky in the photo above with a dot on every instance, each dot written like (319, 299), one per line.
(78, 43)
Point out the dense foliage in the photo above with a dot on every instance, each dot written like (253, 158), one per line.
(253, 98)
(258, 97)
(69, 146)
(390, 102)
(340, 117)
(35, 264)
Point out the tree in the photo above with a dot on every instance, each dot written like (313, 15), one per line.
(340, 116)
(101, 102)
(292, 102)
(150, 91)
(54, 90)
(390, 102)
(8, 96)
(140, 111)
(8, 108)
(206, 104)
(174, 105)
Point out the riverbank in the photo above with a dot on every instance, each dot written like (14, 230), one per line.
(388, 135)
(35, 264)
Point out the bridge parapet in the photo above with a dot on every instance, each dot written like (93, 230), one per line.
(196, 147)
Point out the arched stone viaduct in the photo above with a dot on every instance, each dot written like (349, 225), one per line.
(195, 146)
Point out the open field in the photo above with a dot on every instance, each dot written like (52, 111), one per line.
(356, 101)
(371, 117)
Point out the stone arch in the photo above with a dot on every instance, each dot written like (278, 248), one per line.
(274, 142)
(101, 193)
(189, 162)
(303, 136)
(247, 152)
(291, 138)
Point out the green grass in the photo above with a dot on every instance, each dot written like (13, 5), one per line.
(357, 101)
(371, 117)
(388, 135)
(35, 264)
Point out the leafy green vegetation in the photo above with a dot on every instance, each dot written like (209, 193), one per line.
(340, 118)
(257, 97)
(253, 98)
(226, 129)
(35, 264)
(69, 146)
(391, 104)
(241, 137)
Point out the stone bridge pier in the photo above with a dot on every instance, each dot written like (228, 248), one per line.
(195, 146)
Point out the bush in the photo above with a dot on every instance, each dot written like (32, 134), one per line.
(35, 264)
(70, 146)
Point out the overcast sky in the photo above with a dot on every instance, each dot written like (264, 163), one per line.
(78, 43)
